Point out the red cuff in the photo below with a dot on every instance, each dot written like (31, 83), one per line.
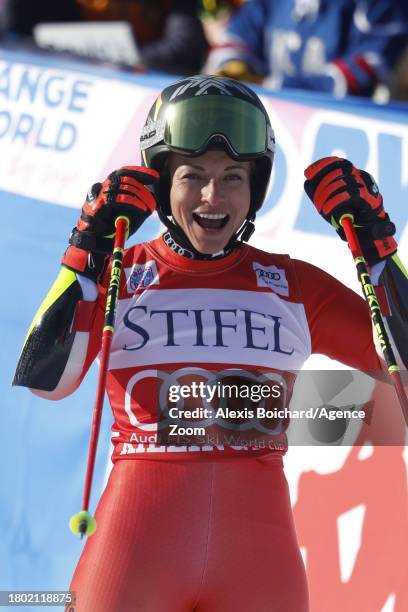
(352, 83)
(76, 259)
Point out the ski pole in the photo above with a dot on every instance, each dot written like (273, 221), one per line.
(84, 523)
(346, 221)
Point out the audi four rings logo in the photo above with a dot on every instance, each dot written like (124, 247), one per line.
(266, 274)
(208, 380)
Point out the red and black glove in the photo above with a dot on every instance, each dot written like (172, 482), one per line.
(124, 192)
(336, 188)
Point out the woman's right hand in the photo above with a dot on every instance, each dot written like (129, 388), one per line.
(123, 193)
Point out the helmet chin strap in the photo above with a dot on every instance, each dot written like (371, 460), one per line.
(245, 232)
(176, 239)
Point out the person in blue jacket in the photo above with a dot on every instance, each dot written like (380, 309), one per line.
(343, 48)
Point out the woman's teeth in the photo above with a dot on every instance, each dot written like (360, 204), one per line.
(211, 220)
(212, 216)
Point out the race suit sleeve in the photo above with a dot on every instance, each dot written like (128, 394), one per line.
(391, 278)
(63, 339)
(376, 39)
(339, 319)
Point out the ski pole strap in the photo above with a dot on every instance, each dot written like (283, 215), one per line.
(122, 224)
(346, 222)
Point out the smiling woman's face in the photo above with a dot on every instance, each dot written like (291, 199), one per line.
(209, 197)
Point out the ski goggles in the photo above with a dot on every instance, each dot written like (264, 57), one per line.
(192, 125)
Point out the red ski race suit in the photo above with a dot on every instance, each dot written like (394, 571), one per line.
(205, 527)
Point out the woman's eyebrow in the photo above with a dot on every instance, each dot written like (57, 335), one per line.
(197, 167)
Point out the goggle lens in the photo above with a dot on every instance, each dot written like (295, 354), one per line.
(191, 123)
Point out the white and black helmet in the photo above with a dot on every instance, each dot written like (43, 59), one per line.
(202, 113)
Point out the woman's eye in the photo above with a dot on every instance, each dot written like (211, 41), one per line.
(233, 177)
(192, 176)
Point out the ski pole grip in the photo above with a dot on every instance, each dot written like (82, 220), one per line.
(122, 231)
(346, 222)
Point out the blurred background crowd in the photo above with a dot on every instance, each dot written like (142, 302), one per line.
(342, 47)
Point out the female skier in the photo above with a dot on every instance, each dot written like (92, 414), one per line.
(202, 525)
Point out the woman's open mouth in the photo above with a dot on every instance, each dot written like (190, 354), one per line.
(211, 220)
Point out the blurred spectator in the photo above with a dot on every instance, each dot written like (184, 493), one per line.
(215, 15)
(340, 47)
(399, 83)
(168, 32)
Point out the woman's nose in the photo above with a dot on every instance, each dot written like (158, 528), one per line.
(213, 192)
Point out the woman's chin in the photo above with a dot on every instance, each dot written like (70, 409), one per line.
(210, 241)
